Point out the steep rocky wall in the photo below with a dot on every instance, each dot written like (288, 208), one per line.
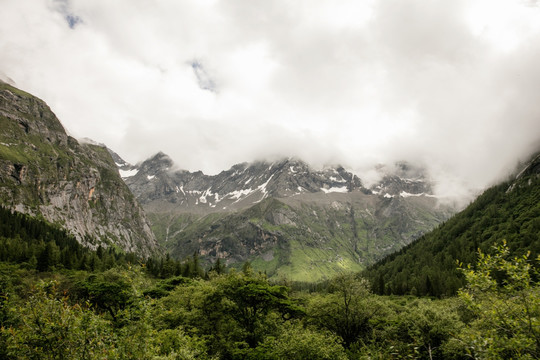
(45, 172)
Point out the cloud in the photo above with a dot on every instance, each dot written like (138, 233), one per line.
(448, 84)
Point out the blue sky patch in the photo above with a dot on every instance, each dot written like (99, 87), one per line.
(204, 80)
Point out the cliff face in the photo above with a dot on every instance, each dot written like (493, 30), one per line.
(43, 171)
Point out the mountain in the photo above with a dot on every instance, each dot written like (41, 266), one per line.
(284, 217)
(44, 172)
(509, 211)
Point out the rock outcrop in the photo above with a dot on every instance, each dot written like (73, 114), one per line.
(45, 172)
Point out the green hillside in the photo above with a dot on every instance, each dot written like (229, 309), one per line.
(509, 211)
(303, 241)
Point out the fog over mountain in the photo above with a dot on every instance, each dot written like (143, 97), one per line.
(450, 85)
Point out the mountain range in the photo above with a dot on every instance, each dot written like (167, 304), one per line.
(284, 217)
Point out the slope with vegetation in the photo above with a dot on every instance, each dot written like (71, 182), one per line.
(302, 240)
(59, 300)
(510, 211)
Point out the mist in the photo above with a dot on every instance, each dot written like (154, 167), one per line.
(449, 85)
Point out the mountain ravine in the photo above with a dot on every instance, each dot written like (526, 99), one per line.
(45, 172)
(285, 218)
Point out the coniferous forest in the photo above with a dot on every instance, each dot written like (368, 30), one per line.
(429, 265)
(60, 300)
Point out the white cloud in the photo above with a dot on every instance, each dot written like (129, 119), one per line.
(446, 83)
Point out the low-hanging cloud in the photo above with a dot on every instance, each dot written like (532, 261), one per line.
(451, 85)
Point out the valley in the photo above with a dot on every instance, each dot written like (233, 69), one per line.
(267, 260)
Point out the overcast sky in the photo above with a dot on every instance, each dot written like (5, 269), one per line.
(451, 84)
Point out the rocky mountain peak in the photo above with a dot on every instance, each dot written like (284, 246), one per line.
(32, 116)
(285, 215)
(242, 185)
(403, 179)
(158, 163)
(45, 172)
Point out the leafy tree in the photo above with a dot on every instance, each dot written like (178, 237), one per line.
(295, 342)
(232, 312)
(426, 326)
(347, 310)
(504, 300)
(251, 298)
(49, 327)
(176, 344)
(111, 291)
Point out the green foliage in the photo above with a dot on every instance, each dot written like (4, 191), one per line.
(347, 310)
(427, 267)
(111, 291)
(295, 342)
(176, 344)
(47, 326)
(233, 312)
(250, 299)
(504, 298)
(241, 315)
(410, 328)
(167, 267)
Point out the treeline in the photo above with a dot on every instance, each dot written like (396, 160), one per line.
(428, 266)
(37, 244)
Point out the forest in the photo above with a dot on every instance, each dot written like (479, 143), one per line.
(59, 300)
(428, 266)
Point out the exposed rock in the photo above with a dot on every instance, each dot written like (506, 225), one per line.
(286, 217)
(44, 171)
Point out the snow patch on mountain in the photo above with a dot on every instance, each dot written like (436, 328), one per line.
(127, 173)
(342, 189)
(406, 194)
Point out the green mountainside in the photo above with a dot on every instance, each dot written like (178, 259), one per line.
(509, 211)
(45, 172)
(306, 239)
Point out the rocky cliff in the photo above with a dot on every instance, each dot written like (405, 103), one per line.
(45, 172)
